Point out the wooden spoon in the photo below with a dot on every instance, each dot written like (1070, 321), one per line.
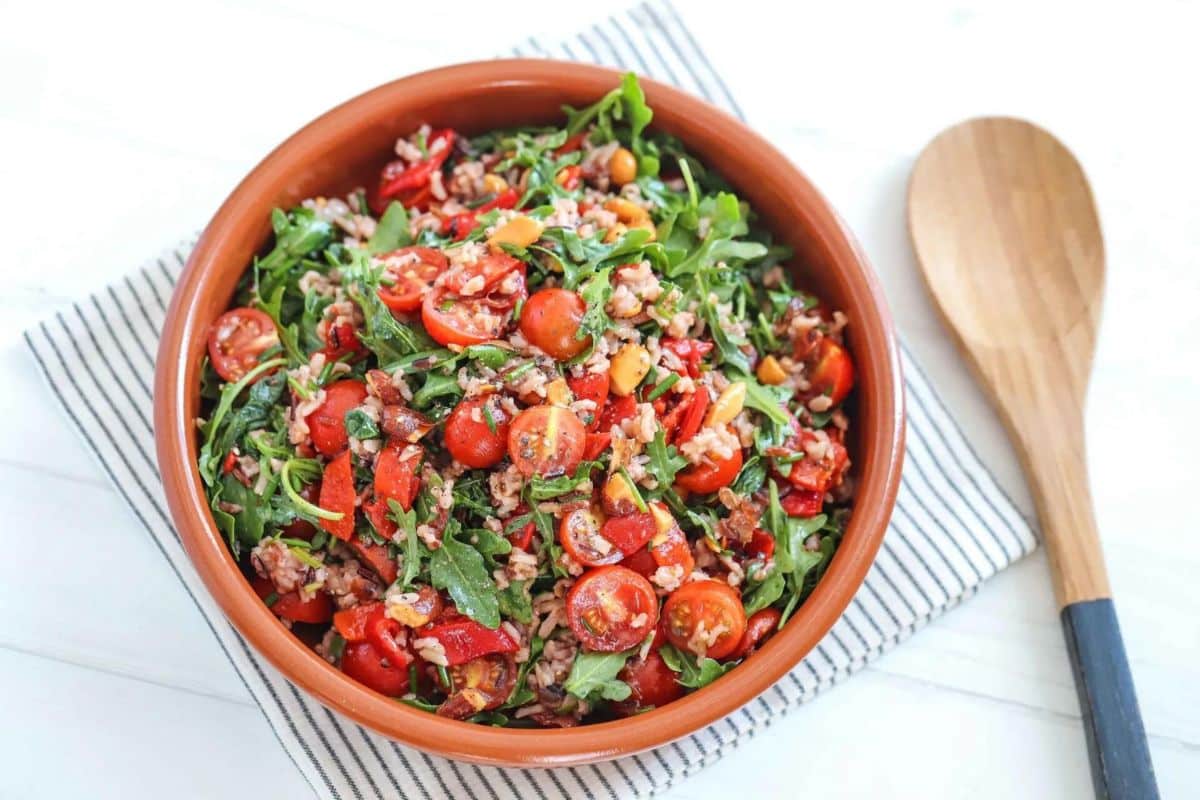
(1007, 236)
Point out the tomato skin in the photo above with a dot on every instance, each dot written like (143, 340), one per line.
(693, 418)
(602, 604)
(492, 268)
(690, 351)
(761, 545)
(591, 386)
(572, 144)
(652, 682)
(709, 477)
(327, 422)
(467, 321)
(671, 549)
(342, 340)
(630, 532)
(412, 279)
(550, 321)
(831, 371)
(236, 340)
(818, 475)
(616, 411)
(546, 440)
(761, 625)
(337, 494)
(642, 562)
(291, 606)
(715, 603)
(802, 502)
(472, 442)
(460, 226)
(595, 444)
(362, 662)
(579, 533)
(465, 639)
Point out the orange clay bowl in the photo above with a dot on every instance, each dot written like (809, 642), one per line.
(346, 148)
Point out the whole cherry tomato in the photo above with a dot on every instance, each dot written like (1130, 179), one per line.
(470, 439)
(710, 476)
(651, 681)
(550, 321)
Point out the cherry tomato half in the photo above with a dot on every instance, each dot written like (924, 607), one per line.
(411, 271)
(337, 494)
(468, 320)
(550, 321)
(237, 339)
(591, 386)
(761, 625)
(651, 681)
(327, 422)
(611, 609)
(711, 605)
(708, 477)
(470, 439)
(831, 371)
(580, 536)
(629, 533)
(479, 685)
(547, 441)
(490, 269)
(362, 662)
(292, 606)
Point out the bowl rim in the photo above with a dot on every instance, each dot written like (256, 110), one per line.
(175, 438)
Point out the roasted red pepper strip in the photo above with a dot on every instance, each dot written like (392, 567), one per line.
(761, 545)
(802, 503)
(465, 639)
(352, 622)
(397, 178)
(694, 417)
(337, 494)
(377, 557)
(523, 536)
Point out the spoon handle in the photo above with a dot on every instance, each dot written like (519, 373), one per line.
(1120, 756)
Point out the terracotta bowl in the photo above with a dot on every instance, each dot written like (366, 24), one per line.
(345, 148)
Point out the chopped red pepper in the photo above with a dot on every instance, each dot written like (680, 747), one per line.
(377, 557)
(569, 177)
(592, 386)
(572, 144)
(617, 410)
(465, 639)
(694, 417)
(522, 537)
(231, 461)
(802, 502)
(351, 623)
(691, 351)
(398, 178)
(761, 545)
(461, 225)
(337, 494)
(342, 340)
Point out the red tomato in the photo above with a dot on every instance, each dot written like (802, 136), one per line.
(412, 271)
(831, 371)
(690, 351)
(466, 321)
(761, 545)
(291, 606)
(761, 625)
(546, 441)
(465, 639)
(237, 339)
(652, 682)
(469, 438)
(362, 662)
(717, 606)
(642, 562)
(479, 685)
(611, 609)
(572, 144)
(351, 623)
(802, 502)
(629, 533)
(596, 444)
(377, 558)
(569, 177)
(342, 340)
(617, 411)
(819, 475)
(492, 269)
(550, 321)
(591, 386)
(693, 418)
(337, 494)
(709, 477)
(579, 534)
(327, 423)
(460, 226)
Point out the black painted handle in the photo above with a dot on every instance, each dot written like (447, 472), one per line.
(1121, 766)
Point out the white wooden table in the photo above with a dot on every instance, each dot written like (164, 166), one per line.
(124, 124)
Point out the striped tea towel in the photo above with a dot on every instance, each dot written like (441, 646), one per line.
(953, 526)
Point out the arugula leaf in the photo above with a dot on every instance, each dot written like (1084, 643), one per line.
(392, 231)
(595, 675)
(225, 427)
(761, 593)
(769, 400)
(287, 333)
(245, 527)
(540, 488)
(413, 546)
(516, 603)
(665, 461)
(361, 426)
(297, 234)
(751, 477)
(595, 292)
(694, 673)
(437, 384)
(387, 337)
(489, 355)
(458, 568)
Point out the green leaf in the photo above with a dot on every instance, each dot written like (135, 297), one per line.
(540, 488)
(489, 355)
(297, 234)
(595, 292)
(760, 594)
(595, 675)
(392, 231)
(413, 546)
(458, 569)
(226, 427)
(694, 673)
(516, 602)
(388, 338)
(288, 336)
(360, 425)
(665, 461)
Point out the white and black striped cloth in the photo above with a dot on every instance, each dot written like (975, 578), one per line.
(952, 529)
